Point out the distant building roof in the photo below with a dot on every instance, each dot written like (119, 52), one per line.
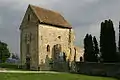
(50, 17)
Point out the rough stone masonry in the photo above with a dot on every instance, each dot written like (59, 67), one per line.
(44, 34)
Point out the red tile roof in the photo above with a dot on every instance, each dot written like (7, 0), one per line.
(50, 17)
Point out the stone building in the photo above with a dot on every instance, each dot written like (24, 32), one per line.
(44, 34)
(78, 54)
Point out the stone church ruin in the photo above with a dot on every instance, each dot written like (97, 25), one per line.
(46, 40)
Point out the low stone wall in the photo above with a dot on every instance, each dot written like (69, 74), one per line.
(99, 69)
(60, 66)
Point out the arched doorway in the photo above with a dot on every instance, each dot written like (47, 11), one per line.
(56, 51)
(27, 62)
(59, 58)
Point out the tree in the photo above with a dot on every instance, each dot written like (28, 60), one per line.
(119, 45)
(119, 38)
(102, 50)
(107, 42)
(4, 52)
(96, 49)
(103, 40)
(112, 45)
(15, 56)
(88, 48)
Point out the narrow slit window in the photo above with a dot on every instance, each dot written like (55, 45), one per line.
(28, 17)
(48, 48)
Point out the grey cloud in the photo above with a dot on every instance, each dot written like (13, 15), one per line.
(9, 28)
(84, 15)
(88, 13)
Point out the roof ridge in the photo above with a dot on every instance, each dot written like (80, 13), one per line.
(45, 9)
(31, 6)
(49, 16)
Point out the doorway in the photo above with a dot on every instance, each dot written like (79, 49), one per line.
(56, 51)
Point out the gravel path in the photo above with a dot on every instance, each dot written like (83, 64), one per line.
(5, 71)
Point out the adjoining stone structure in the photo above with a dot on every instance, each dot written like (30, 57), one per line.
(98, 69)
(79, 54)
(45, 35)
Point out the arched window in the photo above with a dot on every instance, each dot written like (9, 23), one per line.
(48, 48)
(81, 59)
(75, 54)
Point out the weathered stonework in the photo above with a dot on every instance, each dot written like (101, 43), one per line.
(79, 54)
(38, 40)
(48, 35)
(29, 28)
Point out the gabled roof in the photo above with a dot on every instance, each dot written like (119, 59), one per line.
(50, 17)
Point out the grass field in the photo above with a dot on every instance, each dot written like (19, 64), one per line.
(48, 76)
(8, 66)
(43, 76)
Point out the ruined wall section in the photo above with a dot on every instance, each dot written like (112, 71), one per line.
(29, 35)
(50, 35)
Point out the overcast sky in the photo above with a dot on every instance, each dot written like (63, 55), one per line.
(85, 16)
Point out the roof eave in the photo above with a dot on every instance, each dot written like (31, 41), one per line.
(60, 26)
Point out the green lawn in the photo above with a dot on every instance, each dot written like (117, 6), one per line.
(59, 76)
(8, 66)
(41, 76)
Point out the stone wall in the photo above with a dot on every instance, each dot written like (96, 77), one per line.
(100, 69)
(50, 35)
(79, 53)
(29, 35)
(39, 36)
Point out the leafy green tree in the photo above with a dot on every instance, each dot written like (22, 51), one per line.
(88, 48)
(119, 38)
(102, 41)
(119, 44)
(4, 51)
(96, 49)
(15, 56)
(107, 42)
